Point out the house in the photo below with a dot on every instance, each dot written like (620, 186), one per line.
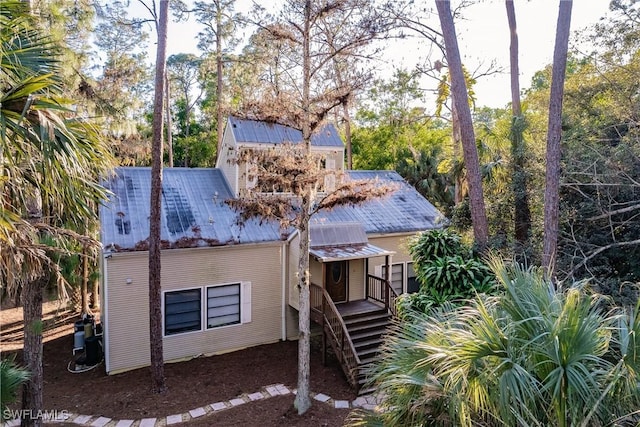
(227, 286)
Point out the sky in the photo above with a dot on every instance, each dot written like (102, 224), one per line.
(483, 37)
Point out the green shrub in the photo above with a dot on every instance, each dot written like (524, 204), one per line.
(436, 243)
(453, 277)
(529, 356)
(11, 377)
(446, 270)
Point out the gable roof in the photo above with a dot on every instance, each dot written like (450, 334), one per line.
(260, 132)
(403, 211)
(193, 211)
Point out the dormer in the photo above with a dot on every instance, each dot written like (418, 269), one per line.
(252, 134)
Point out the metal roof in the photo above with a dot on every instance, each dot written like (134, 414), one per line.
(404, 210)
(345, 233)
(342, 241)
(261, 132)
(193, 211)
(346, 252)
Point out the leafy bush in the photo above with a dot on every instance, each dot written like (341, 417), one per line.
(532, 355)
(436, 243)
(453, 277)
(11, 377)
(413, 302)
(446, 270)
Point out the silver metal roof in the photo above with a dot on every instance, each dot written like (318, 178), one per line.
(404, 210)
(254, 131)
(337, 234)
(193, 211)
(346, 252)
(342, 241)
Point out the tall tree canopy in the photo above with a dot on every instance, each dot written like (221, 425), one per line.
(53, 159)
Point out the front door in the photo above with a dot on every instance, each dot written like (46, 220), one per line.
(336, 280)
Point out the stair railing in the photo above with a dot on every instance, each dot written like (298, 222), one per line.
(332, 323)
(379, 289)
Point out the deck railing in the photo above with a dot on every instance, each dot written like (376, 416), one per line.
(379, 289)
(323, 308)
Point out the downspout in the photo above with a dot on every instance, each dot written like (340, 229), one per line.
(104, 317)
(285, 269)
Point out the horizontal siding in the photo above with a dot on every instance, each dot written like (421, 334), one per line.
(128, 321)
(356, 279)
(315, 268)
(396, 244)
(226, 162)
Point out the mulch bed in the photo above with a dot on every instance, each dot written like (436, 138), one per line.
(196, 383)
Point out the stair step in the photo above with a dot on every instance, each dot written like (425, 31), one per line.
(361, 345)
(380, 324)
(366, 318)
(368, 353)
(366, 333)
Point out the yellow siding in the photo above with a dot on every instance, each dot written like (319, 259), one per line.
(396, 244)
(315, 268)
(338, 157)
(128, 318)
(226, 161)
(356, 279)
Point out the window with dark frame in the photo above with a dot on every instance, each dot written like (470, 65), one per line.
(413, 285)
(223, 305)
(182, 311)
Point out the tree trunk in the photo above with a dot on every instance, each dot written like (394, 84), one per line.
(219, 111)
(167, 98)
(461, 102)
(458, 195)
(32, 353)
(522, 213)
(303, 397)
(554, 136)
(158, 383)
(95, 295)
(85, 281)
(347, 133)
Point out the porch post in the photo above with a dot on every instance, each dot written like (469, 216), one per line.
(366, 278)
(323, 308)
(386, 279)
(386, 268)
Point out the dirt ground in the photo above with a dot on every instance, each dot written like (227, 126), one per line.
(192, 384)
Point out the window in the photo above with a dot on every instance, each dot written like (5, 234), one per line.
(223, 305)
(182, 311)
(396, 278)
(228, 304)
(412, 283)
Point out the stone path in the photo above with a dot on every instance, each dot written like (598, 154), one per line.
(365, 402)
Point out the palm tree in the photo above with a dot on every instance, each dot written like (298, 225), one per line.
(531, 356)
(49, 163)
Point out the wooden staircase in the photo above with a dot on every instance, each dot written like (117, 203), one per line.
(366, 330)
(354, 330)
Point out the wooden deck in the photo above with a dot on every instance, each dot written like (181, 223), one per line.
(358, 307)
